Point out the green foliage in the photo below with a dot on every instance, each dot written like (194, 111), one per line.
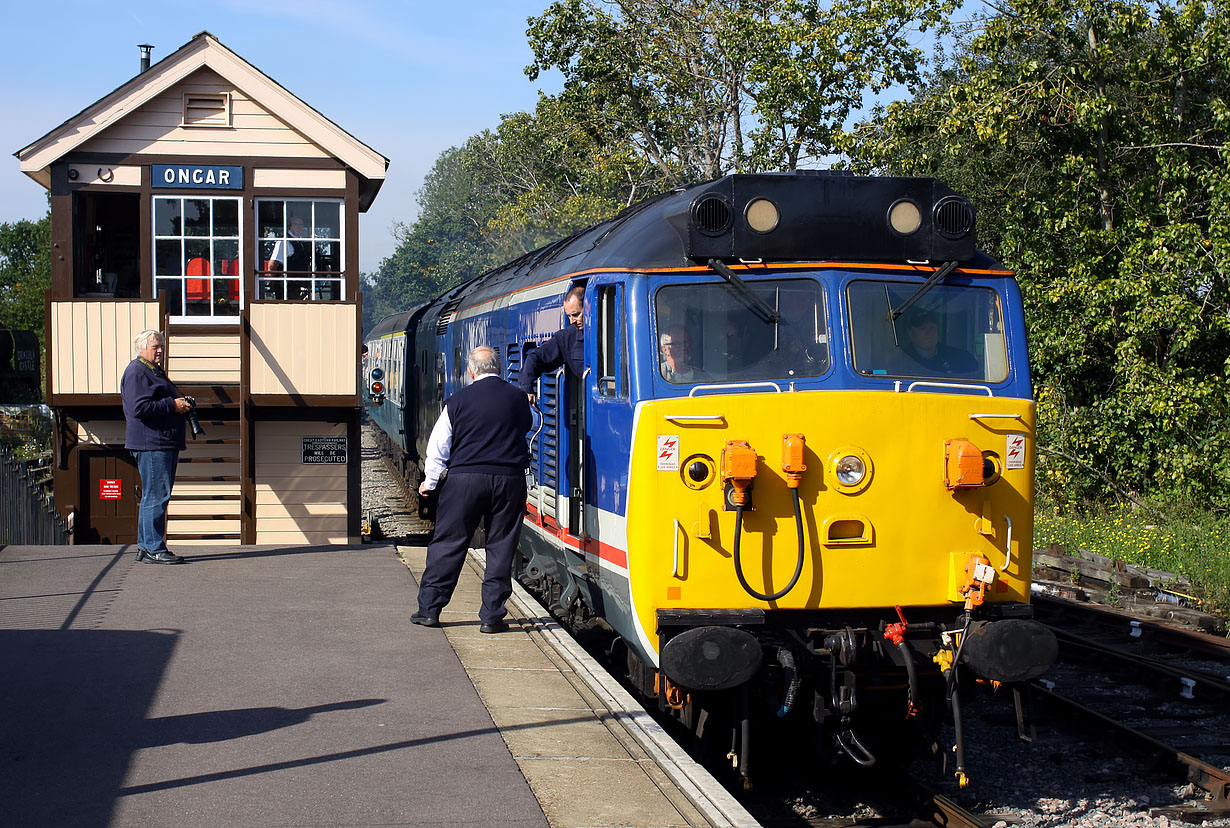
(1192, 546)
(1092, 134)
(25, 273)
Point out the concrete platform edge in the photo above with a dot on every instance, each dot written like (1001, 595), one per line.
(705, 793)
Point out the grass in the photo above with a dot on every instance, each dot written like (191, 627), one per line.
(1196, 546)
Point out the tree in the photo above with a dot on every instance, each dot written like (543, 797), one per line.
(25, 273)
(1096, 132)
(705, 87)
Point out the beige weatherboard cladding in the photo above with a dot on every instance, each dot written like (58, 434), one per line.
(94, 343)
(204, 359)
(289, 355)
(297, 502)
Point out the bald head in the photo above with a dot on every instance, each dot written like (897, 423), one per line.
(483, 361)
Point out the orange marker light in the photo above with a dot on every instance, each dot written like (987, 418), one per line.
(792, 458)
(963, 467)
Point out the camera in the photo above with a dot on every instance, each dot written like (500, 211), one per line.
(194, 422)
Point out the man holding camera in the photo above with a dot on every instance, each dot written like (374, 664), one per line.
(154, 412)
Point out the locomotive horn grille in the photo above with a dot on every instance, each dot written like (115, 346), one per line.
(954, 217)
(711, 215)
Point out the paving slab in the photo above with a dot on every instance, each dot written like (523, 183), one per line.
(251, 687)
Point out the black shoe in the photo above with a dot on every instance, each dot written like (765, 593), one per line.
(494, 627)
(158, 557)
(424, 620)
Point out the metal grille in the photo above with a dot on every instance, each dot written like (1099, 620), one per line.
(954, 217)
(712, 214)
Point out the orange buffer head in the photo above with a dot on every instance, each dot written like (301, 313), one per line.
(963, 467)
(792, 458)
(738, 467)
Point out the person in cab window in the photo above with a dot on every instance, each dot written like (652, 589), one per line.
(289, 254)
(924, 347)
(676, 349)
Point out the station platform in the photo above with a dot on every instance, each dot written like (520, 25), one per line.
(268, 686)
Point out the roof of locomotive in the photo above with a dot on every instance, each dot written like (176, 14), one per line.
(823, 216)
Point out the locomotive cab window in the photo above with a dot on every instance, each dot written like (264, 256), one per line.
(299, 249)
(709, 333)
(952, 333)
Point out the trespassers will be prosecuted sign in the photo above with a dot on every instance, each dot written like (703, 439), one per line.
(323, 450)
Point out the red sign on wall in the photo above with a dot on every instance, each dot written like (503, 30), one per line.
(109, 489)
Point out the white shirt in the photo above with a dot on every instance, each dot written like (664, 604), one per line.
(440, 446)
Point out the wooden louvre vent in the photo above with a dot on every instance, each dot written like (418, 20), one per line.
(207, 110)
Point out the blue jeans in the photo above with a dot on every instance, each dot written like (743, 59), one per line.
(157, 470)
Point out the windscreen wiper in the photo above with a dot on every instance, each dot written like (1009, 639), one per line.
(932, 280)
(753, 302)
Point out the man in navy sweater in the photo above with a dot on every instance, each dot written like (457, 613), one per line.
(480, 440)
(154, 433)
(565, 347)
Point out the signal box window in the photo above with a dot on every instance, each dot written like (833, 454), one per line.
(709, 333)
(953, 333)
(196, 256)
(299, 249)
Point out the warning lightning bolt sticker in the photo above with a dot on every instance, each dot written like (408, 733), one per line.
(1014, 453)
(668, 452)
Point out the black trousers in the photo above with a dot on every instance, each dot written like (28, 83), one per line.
(465, 500)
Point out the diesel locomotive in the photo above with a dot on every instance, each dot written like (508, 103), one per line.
(796, 478)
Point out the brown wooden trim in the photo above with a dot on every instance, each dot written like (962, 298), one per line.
(75, 400)
(184, 536)
(61, 236)
(247, 432)
(351, 206)
(193, 328)
(205, 478)
(212, 396)
(301, 401)
(146, 243)
(185, 497)
(209, 460)
(354, 480)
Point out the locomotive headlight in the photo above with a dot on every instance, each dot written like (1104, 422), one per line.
(904, 217)
(762, 215)
(849, 469)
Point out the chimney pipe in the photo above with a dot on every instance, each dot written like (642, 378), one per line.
(145, 50)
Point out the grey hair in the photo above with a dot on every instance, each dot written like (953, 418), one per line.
(142, 339)
(484, 361)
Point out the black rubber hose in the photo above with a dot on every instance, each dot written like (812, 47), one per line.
(798, 569)
(910, 672)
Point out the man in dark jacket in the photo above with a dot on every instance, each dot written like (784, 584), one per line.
(565, 347)
(480, 439)
(154, 432)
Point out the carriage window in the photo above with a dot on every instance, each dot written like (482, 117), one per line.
(612, 363)
(953, 332)
(299, 249)
(709, 333)
(196, 255)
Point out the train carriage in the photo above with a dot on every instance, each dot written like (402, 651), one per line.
(800, 462)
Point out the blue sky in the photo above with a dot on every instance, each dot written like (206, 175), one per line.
(409, 79)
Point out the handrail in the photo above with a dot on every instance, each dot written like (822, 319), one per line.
(932, 384)
(723, 385)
